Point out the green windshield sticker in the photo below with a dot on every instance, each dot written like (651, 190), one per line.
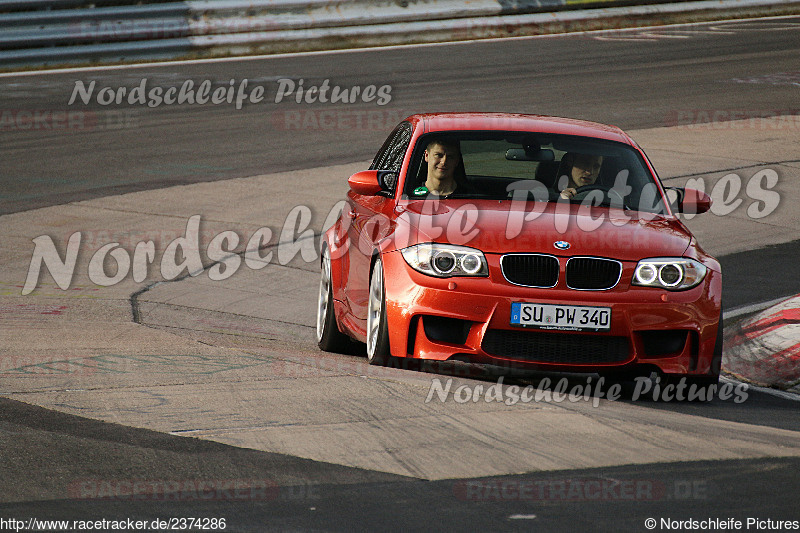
(419, 191)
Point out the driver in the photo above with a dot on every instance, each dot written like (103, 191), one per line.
(581, 170)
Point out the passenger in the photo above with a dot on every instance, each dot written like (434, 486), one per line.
(581, 170)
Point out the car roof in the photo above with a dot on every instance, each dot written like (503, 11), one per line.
(432, 122)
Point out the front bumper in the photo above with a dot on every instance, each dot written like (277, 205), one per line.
(468, 319)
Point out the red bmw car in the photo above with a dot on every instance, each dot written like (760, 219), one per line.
(521, 241)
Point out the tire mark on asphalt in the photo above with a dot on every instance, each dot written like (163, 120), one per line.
(732, 169)
(134, 298)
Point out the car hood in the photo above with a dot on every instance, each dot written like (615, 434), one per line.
(500, 227)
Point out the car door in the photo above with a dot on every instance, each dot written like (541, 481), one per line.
(368, 223)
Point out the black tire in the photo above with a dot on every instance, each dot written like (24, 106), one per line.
(378, 352)
(699, 388)
(329, 338)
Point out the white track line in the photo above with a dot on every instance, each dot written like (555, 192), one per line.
(766, 390)
(753, 308)
(374, 48)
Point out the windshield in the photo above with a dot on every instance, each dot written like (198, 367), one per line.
(536, 166)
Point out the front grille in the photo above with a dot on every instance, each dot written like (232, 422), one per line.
(547, 347)
(530, 270)
(592, 273)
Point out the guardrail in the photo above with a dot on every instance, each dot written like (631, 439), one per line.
(36, 33)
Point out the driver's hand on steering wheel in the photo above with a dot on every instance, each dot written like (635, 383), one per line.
(568, 193)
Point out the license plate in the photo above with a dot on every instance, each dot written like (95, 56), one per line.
(564, 317)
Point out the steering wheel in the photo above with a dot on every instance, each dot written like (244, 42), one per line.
(607, 190)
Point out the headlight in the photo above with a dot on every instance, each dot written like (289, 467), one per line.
(673, 273)
(446, 260)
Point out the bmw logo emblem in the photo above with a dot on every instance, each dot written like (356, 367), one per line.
(561, 245)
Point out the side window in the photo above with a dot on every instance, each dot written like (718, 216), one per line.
(390, 156)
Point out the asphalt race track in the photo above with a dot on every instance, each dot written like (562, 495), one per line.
(151, 400)
(667, 77)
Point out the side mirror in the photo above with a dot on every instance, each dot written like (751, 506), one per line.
(372, 182)
(691, 201)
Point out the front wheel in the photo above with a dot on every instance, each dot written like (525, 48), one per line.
(329, 338)
(377, 328)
